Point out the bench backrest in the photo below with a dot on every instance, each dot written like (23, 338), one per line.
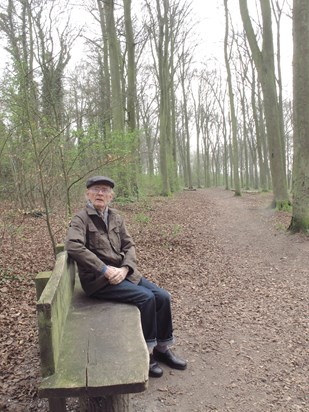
(52, 309)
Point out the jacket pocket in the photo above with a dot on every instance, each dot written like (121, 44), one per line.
(115, 240)
(93, 236)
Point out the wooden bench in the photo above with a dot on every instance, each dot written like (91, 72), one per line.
(90, 349)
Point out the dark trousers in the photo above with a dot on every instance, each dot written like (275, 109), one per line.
(154, 304)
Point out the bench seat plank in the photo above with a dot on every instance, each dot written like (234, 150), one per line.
(101, 351)
(122, 365)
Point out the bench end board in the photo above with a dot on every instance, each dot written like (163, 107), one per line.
(41, 280)
(52, 310)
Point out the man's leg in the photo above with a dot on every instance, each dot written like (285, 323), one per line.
(164, 332)
(162, 352)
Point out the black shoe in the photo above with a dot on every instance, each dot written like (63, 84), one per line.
(169, 359)
(154, 369)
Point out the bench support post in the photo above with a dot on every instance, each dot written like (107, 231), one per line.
(57, 405)
(115, 403)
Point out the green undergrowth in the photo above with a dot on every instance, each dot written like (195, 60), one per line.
(7, 276)
(284, 206)
(142, 218)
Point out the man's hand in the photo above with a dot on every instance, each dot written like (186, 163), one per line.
(116, 275)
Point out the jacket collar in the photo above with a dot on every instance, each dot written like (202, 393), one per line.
(111, 215)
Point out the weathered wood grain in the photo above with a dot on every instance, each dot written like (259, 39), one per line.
(91, 349)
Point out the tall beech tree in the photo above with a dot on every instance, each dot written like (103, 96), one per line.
(300, 214)
(265, 66)
(232, 104)
(185, 60)
(159, 30)
(104, 75)
(114, 64)
(162, 48)
(131, 67)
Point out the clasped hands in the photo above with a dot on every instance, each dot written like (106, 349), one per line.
(116, 275)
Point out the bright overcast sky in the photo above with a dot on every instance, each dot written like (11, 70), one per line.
(209, 16)
(212, 27)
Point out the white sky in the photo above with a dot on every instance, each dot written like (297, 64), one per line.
(212, 27)
(210, 24)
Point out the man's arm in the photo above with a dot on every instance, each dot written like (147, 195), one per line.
(76, 247)
(128, 248)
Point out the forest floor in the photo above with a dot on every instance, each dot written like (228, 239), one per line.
(239, 283)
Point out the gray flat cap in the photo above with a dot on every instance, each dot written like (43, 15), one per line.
(94, 180)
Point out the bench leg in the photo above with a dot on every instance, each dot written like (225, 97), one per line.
(115, 403)
(57, 405)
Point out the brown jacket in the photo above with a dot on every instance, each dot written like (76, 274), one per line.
(91, 245)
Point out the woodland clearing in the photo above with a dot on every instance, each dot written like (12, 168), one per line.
(239, 283)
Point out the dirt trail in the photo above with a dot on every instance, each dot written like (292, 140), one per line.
(241, 309)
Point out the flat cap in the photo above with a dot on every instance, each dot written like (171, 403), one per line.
(94, 180)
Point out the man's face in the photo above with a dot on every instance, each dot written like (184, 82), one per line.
(100, 196)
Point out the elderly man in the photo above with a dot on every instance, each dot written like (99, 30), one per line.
(105, 254)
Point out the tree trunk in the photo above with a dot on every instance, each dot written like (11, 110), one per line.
(173, 175)
(300, 214)
(104, 75)
(131, 89)
(183, 74)
(261, 160)
(264, 62)
(232, 106)
(164, 94)
(116, 95)
(245, 134)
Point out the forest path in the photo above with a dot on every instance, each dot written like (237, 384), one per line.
(240, 288)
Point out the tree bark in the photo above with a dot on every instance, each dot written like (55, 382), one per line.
(259, 145)
(300, 213)
(164, 93)
(264, 62)
(232, 106)
(116, 95)
(104, 75)
(131, 88)
(184, 66)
